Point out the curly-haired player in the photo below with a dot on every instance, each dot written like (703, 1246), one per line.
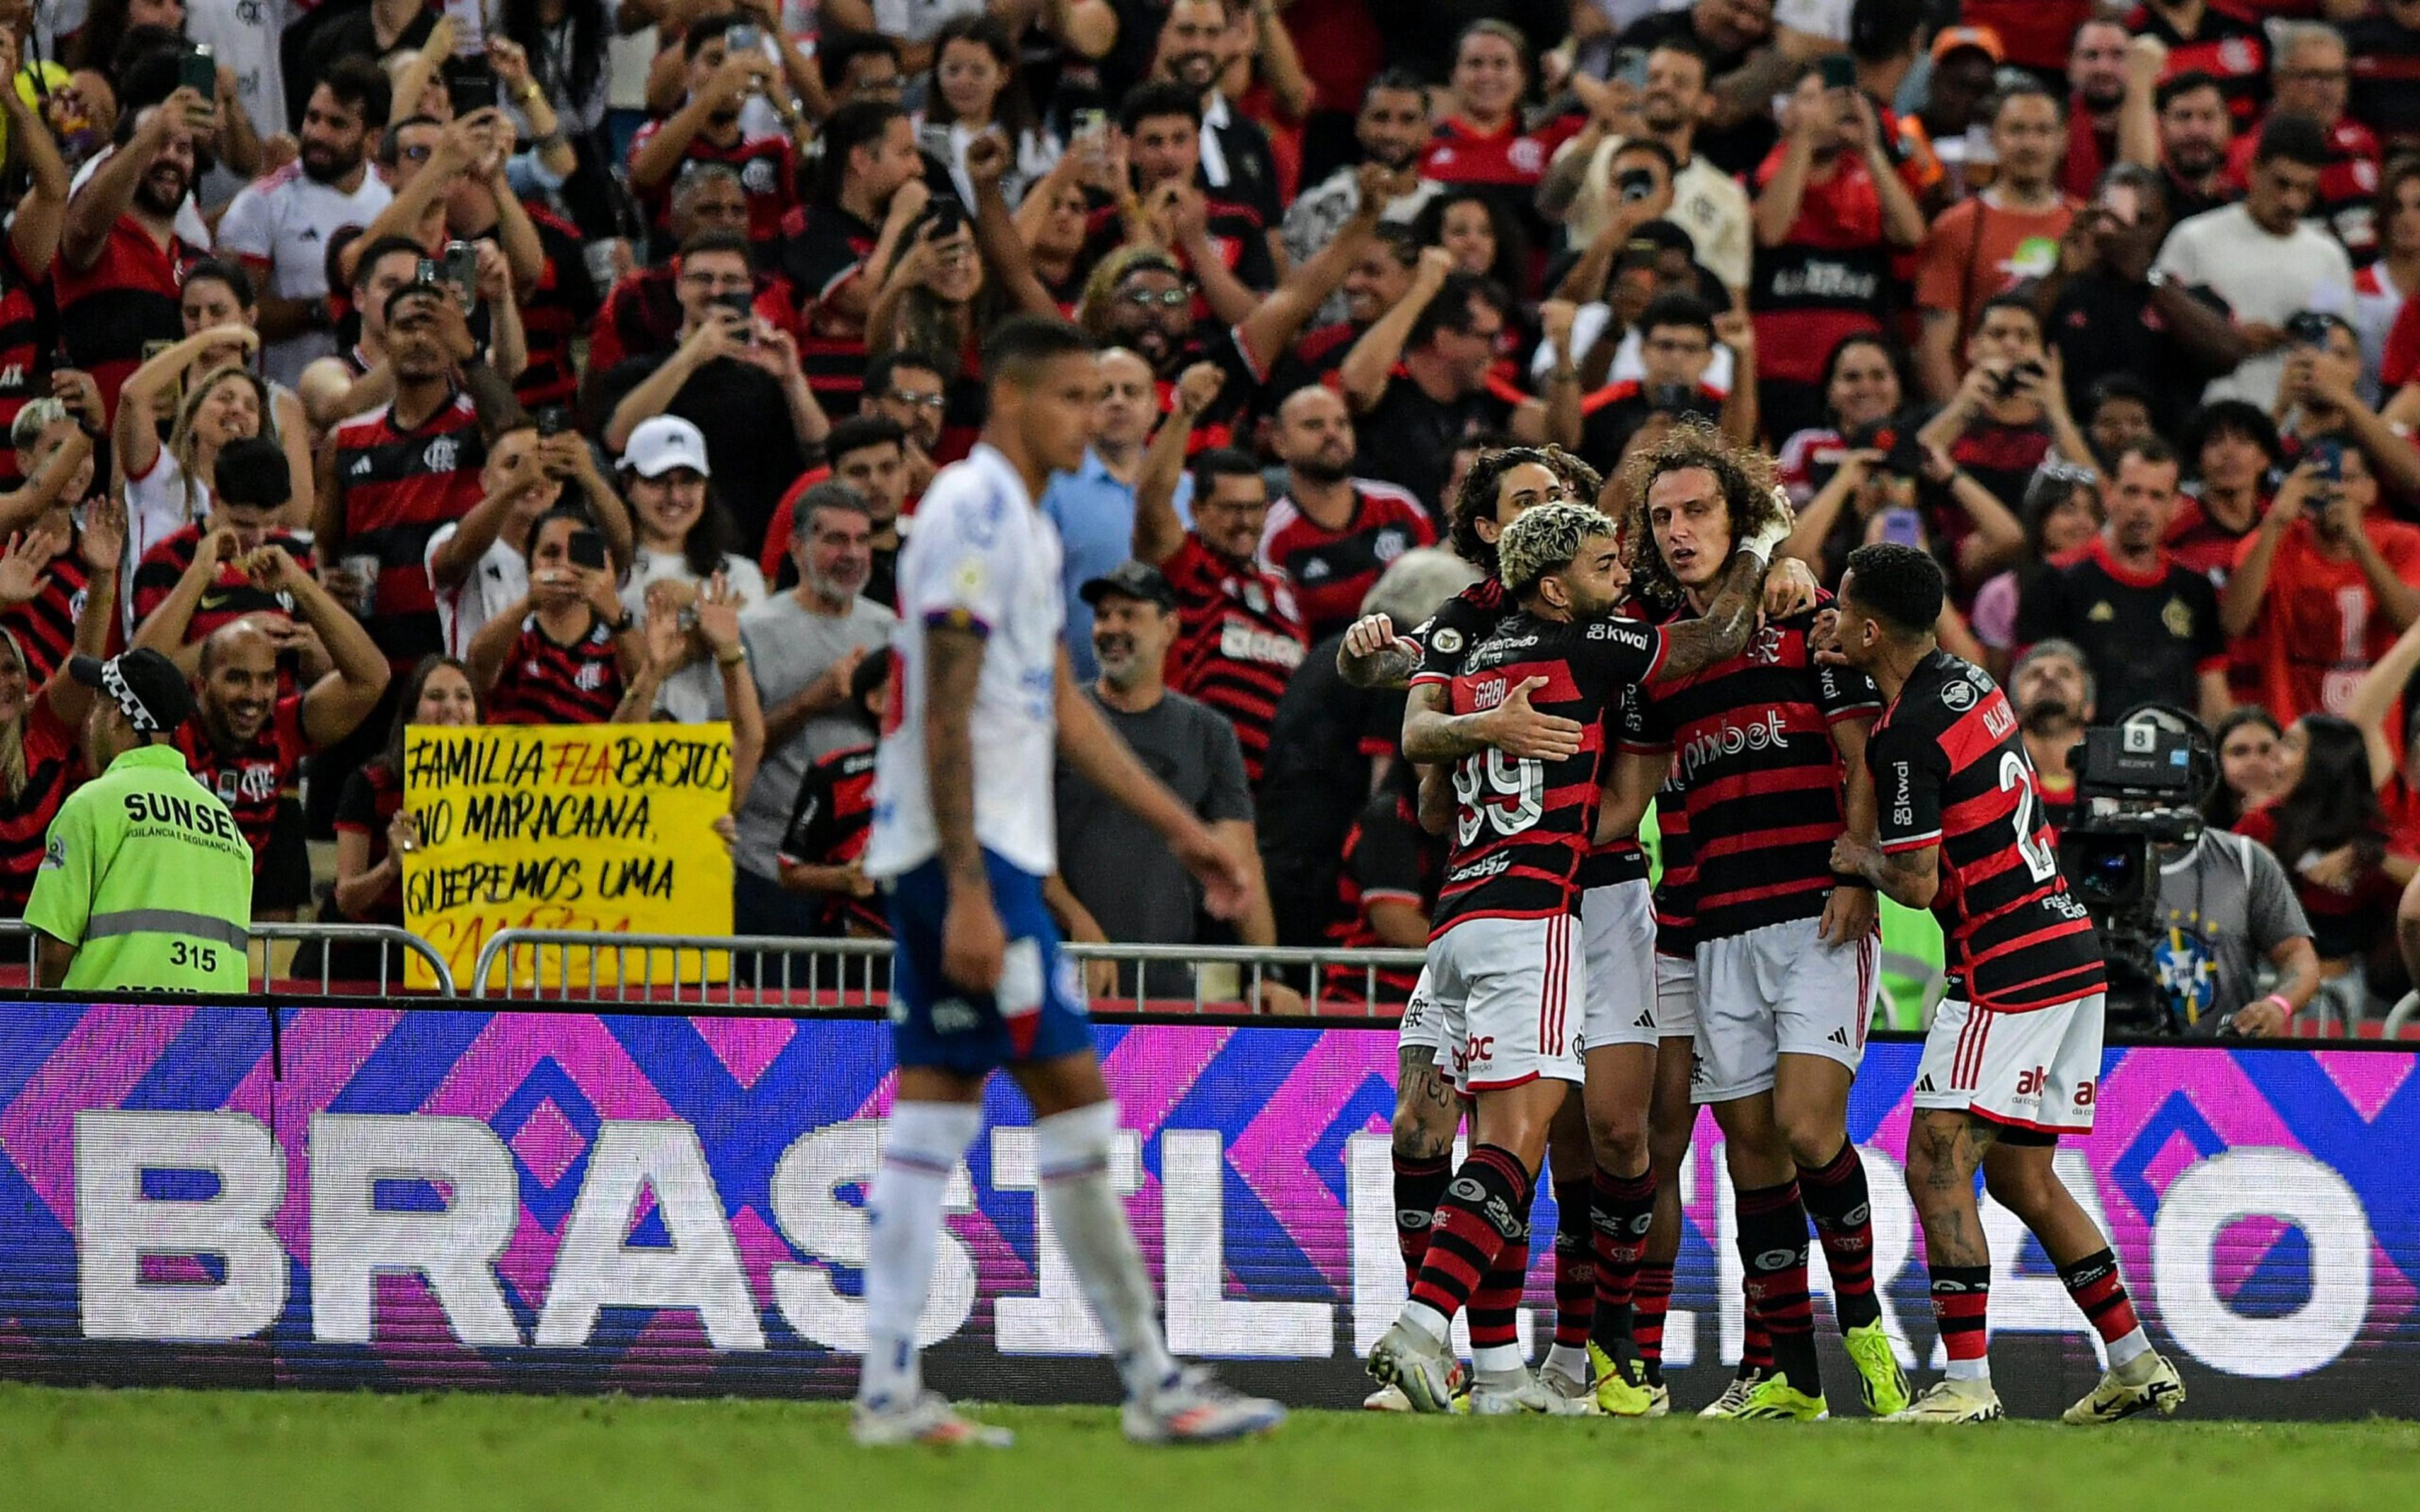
(1785, 950)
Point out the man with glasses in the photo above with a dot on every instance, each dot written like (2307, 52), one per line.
(904, 392)
(2313, 79)
(1676, 348)
(641, 314)
(734, 377)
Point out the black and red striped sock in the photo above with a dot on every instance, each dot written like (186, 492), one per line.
(1962, 1301)
(1495, 1309)
(1577, 1285)
(1620, 1210)
(1419, 1186)
(1773, 1252)
(1836, 1198)
(1651, 1298)
(2094, 1283)
(1756, 1346)
(1485, 1208)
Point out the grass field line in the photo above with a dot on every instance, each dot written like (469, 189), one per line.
(132, 1451)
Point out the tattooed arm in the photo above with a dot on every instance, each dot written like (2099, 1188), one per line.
(1720, 633)
(1910, 878)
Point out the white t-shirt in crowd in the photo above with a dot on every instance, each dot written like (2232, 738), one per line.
(1707, 203)
(243, 35)
(980, 554)
(2262, 278)
(156, 508)
(688, 695)
(489, 589)
(284, 222)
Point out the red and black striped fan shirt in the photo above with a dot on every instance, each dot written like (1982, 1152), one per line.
(54, 768)
(828, 826)
(1950, 770)
(1239, 638)
(544, 683)
(22, 371)
(397, 487)
(553, 313)
(1521, 827)
(767, 168)
(1754, 735)
(250, 780)
(1332, 570)
(45, 626)
(373, 797)
(126, 297)
(230, 597)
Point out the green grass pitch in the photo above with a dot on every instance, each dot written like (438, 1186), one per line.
(135, 1451)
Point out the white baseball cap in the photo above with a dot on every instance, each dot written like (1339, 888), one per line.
(663, 442)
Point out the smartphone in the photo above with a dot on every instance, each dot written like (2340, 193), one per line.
(462, 271)
(1092, 122)
(2015, 378)
(2328, 453)
(1635, 184)
(2309, 328)
(587, 549)
(2123, 203)
(552, 421)
(1902, 527)
(745, 37)
(945, 218)
(1629, 67)
(742, 303)
(198, 71)
(470, 26)
(1837, 70)
(470, 84)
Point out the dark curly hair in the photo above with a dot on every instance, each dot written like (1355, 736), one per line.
(1480, 486)
(1745, 474)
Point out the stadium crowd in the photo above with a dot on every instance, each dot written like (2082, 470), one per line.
(387, 363)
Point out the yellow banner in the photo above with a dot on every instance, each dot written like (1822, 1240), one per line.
(605, 828)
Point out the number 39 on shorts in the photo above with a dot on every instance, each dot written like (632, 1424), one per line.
(1490, 788)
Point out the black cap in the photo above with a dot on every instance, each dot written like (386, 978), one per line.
(1129, 580)
(252, 471)
(149, 688)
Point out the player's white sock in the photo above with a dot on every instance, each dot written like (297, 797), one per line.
(1072, 1151)
(1496, 1360)
(921, 1147)
(1571, 1359)
(1427, 1320)
(1979, 1370)
(2125, 1351)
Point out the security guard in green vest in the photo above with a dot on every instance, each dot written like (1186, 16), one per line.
(146, 882)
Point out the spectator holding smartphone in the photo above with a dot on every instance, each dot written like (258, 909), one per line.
(568, 649)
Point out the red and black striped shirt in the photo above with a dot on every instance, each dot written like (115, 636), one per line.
(53, 767)
(1676, 886)
(553, 313)
(21, 368)
(828, 826)
(1388, 858)
(1754, 735)
(396, 487)
(824, 247)
(767, 168)
(129, 296)
(1521, 827)
(2228, 45)
(45, 626)
(230, 597)
(1950, 770)
(1333, 570)
(250, 782)
(372, 797)
(544, 683)
(1239, 638)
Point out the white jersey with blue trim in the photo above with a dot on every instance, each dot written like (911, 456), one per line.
(981, 557)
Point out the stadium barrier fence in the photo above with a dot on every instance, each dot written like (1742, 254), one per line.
(276, 950)
(540, 1196)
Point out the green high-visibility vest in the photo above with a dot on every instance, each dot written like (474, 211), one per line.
(147, 874)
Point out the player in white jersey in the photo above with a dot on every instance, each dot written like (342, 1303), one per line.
(963, 846)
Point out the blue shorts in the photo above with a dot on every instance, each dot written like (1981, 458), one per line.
(1038, 1011)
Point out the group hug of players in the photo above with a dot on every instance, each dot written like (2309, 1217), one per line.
(1803, 754)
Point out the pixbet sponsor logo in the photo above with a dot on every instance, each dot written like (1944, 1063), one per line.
(1766, 733)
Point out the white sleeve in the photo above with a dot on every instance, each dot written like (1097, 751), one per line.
(1816, 18)
(957, 574)
(244, 230)
(2177, 257)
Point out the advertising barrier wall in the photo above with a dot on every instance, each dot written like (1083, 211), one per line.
(579, 1202)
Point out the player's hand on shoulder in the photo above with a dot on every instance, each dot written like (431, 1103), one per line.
(1789, 588)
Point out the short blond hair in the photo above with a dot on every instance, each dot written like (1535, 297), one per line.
(1544, 540)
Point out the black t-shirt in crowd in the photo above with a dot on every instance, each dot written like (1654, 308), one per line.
(2102, 325)
(1409, 439)
(1320, 741)
(745, 419)
(2147, 635)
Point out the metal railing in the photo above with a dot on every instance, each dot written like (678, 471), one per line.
(260, 953)
(779, 972)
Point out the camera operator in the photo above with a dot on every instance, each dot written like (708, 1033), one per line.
(2224, 900)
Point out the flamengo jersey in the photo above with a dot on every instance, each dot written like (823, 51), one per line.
(828, 828)
(1950, 770)
(1333, 570)
(1521, 827)
(397, 487)
(546, 682)
(984, 559)
(1764, 783)
(1238, 640)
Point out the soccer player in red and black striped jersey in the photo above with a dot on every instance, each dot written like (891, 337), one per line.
(243, 741)
(1786, 952)
(1504, 955)
(822, 851)
(1384, 893)
(2013, 1057)
(1240, 634)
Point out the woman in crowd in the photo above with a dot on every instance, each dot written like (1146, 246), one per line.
(683, 548)
(220, 292)
(1865, 383)
(41, 720)
(562, 51)
(2061, 513)
(1483, 239)
(2247, 764)
(166, 488)
(2326, 828)
(975, 89)
(374, 831)
(564, 653)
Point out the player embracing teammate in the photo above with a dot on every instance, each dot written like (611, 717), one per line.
(2013, 1056)
(1505, 961)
